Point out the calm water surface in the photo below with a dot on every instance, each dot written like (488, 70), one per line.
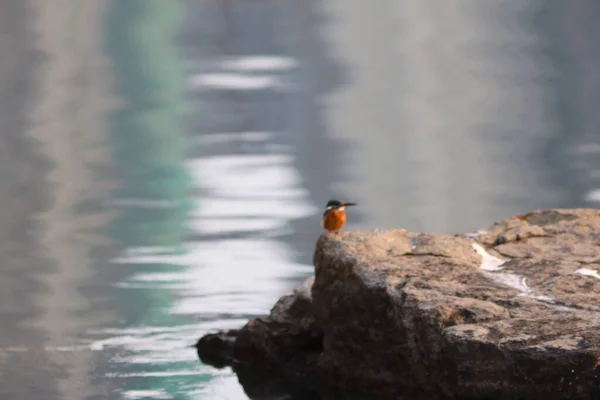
(164, 163)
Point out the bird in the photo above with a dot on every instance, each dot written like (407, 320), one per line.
(334, 216)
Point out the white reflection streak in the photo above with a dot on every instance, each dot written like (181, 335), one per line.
(236, 81)
(241, 194)
(258, 63)
(146, 394)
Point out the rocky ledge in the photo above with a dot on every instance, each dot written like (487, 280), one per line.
(509, 312)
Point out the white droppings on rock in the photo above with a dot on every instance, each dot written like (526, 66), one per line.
(508, 279)
(588, 272)
(488, 262)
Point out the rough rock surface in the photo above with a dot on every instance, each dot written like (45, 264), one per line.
(509, 312)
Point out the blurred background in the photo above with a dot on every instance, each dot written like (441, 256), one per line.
(164, 163)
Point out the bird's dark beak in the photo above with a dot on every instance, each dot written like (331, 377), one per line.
(349, 204)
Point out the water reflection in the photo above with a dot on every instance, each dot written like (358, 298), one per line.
(198, 231)
(54, 102)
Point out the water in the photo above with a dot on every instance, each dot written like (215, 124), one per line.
(164, 164)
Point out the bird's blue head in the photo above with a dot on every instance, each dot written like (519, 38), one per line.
(335, 204)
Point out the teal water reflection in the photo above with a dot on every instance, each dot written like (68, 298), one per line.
(150, 143)
(152, 359)
(199, 233)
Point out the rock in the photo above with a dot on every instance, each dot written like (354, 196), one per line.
(289, 337)
(510, 312)
(216, 349)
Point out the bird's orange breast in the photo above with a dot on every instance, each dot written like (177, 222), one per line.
(334, 220)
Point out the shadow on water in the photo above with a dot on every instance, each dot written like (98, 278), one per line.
(263, 385)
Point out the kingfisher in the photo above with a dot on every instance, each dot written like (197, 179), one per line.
(334, 216)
